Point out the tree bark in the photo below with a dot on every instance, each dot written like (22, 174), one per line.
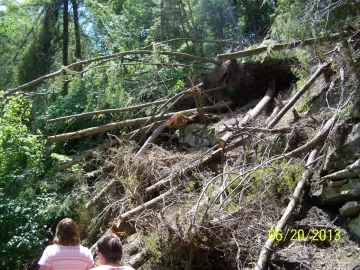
(162, 23)
(268, 247)
(314, 141)
(152, 138)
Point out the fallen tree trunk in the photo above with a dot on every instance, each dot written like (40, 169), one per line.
(126, 123)
(263, 130)
(199, 163)
(131, 108)
(100, 193)
(149, 204)
(106, 57)
(152, 138)
(267, 248)
(118, 110)
(229, 41)
(90, 152)
(252, 114)
(322, 134)
(278, 47)
(303, 89)
(351, 171)
(216, 154)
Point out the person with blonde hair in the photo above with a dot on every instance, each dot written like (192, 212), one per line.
(66, 251)
(110, 251)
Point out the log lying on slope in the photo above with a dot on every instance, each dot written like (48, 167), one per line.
(126, 123)
(303, 89)
(131, 108)
(351, 171)
(267, 248)
(102, 58)
(99, 148)
(149, 204)
(216, 154)
(322, 134)
(278, 47)
(252, 114)
(198, 163)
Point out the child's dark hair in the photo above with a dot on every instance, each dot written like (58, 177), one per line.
(110, 248)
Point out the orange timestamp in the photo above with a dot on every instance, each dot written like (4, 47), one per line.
(302, 235)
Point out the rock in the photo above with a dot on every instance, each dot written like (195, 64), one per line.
(197, 135)
(350, 209)
(354, 227)
(340, 156)
(341, 194)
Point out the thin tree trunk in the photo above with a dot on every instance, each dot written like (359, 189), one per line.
(149, 204)
(65, 50)
(77, 34)
(152, 138)
(162, 23)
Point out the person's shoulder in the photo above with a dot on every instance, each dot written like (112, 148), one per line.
(125, 267)
(51, 247)
(84, 248)
(101, 267)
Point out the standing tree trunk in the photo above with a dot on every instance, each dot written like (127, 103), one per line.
(77, 34)
(162, 26)
(66, 43)
(235, 18)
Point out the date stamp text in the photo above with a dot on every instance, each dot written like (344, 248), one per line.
(304, 235)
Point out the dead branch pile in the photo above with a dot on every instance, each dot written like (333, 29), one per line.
(215, 208)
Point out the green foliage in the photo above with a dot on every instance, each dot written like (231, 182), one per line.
(307, 19)
(279, 180)
(152, 246)
(14, 22)
(20, 152)
(21, 164)
(303, 107)
(38, 56)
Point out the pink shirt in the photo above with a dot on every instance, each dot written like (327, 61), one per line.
(59, 257)
(107, 267)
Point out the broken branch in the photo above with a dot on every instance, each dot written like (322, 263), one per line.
(303, 89)
(268, 247)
